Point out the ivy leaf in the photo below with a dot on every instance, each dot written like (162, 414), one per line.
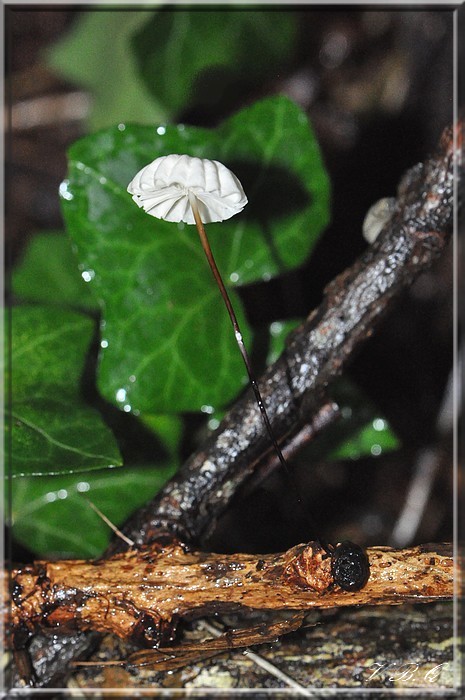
(200, 57)
(48, 273)
(167, 344)
(278, 333)
(52, 517)
(361, 431)
(97, 55)
(371, 440)
(52, 430)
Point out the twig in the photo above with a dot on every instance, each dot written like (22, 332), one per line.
(108, 522)
(142, 594)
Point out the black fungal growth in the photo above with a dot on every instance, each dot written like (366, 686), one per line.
(349, 566)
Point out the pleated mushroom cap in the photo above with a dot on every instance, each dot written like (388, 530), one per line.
(162, 189)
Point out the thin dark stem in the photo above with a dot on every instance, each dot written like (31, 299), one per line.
(237, 331)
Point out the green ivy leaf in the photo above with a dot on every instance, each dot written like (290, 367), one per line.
(48, 273)
(97, 55)
(52, 430)
(197, 57)
(371, 440)
(52, 517)
(279, 331)
(167, 343)
(362, 431)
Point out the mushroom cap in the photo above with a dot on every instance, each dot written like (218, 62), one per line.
(162, 189)
(377, 217)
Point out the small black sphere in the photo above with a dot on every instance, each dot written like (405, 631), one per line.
(349, 566)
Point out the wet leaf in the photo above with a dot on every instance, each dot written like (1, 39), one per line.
(373, 439)
(279, 331)
(167, 343)
(52, 429)
(52, 517)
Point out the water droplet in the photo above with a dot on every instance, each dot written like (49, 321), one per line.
(248, 263)
(50, 497)
(127, 408)
(103, 180)
(181, 127)
(213, 423)
(104, 343)
(121, 395)
(266, 277)
(376, 450)
(234, 277)
(132, 378)
(121, 127)
(64, 191)
(181, 226)
(276, 328)
(207, 409)
(88, 275)
(346, 412)
(379, 424)
(62, 493)
(161, 130)
(83, 486)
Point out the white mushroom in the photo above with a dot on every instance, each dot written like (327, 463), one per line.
(164, 189)
(196, 190)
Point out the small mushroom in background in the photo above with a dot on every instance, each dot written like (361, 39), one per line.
(377, 217)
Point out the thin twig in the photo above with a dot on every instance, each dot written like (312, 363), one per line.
(108, 522)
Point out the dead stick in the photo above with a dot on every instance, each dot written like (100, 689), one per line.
(140, 594)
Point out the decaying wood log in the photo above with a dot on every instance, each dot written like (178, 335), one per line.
(142, 594)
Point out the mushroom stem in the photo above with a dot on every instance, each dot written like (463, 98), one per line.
(237, 331)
